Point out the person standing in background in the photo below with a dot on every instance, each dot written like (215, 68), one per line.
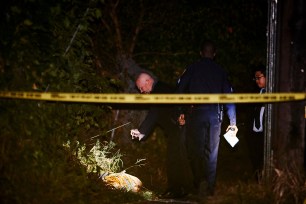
(256, 140)
(204, 120)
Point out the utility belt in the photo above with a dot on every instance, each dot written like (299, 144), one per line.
(217, 108)
(210, 107)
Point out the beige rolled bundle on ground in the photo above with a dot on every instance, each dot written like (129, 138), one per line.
(122, 181)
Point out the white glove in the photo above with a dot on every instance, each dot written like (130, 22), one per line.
(233, 129)
(136, 134)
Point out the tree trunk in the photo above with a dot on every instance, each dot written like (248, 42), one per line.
(289, 125)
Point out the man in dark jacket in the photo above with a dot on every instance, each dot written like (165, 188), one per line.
(204, 126)
(178, 170)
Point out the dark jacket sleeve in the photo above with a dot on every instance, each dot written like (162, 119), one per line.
(149, 122)
(183, 82)
(182, 87)
(157, 114)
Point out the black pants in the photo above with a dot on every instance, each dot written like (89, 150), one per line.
(178, 169)
(256, 151)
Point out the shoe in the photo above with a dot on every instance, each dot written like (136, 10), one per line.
(192, 197)
(205, 190)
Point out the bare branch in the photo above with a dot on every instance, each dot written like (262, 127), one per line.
(137, 28)
(106, 25)
(75, 33)
(114, 17)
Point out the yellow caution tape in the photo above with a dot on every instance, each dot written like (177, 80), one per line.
(156, 98)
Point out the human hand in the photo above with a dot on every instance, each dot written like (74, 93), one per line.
(181, 119)
(136, 134)
(232, 128)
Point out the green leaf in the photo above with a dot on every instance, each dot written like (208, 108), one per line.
(27, 22)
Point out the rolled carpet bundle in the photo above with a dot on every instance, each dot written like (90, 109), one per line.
(122, 181)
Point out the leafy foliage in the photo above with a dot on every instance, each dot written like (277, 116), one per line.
(34, 166)
(47, 47)
(171, 42)
(98, 159)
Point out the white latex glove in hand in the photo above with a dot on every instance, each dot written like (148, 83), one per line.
(233, 128)
(136, 134)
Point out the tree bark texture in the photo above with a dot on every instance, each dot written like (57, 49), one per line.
(288, 138)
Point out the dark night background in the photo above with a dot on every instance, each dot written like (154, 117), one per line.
(97, 46)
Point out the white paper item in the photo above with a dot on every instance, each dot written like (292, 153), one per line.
(231, 138)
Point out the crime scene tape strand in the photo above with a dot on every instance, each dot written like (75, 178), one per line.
(155, 98)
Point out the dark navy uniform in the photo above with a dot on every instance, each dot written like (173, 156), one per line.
(204, 125)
